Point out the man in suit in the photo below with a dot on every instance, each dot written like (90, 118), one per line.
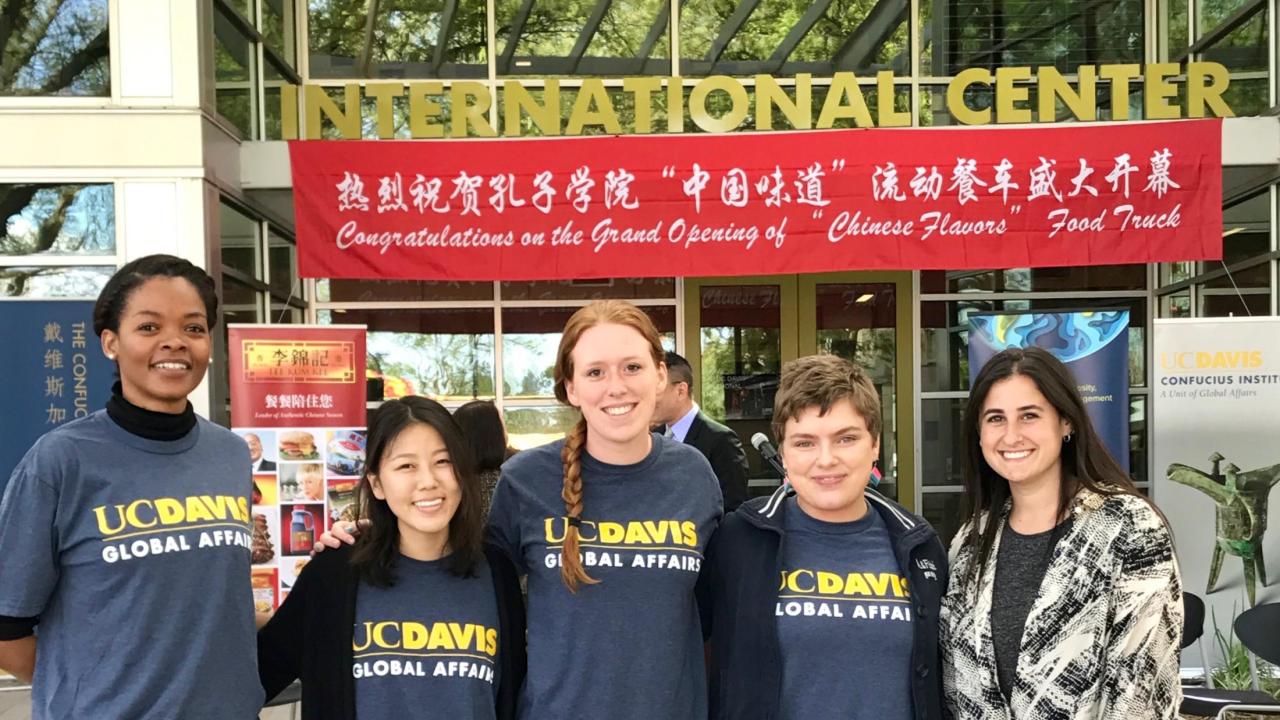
(689, 425)
(260, 464)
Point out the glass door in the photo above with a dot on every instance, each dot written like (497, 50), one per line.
(739, 332)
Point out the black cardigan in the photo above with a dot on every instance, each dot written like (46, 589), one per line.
(310, 637)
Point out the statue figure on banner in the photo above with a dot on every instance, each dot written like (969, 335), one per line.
(1241, 519)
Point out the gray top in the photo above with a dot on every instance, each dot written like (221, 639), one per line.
(1020, 567)
(134, 553)
(844, 621)
(429, 641)
(630, 647)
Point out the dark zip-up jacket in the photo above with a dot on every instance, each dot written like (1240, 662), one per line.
(740, 585)
(309, 638)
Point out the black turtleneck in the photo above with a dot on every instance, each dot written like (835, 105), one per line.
(149, 424)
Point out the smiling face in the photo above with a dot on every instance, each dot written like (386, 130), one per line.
(615, 384)
(1021, 433)
(162, 346)
(828, 460)
(255, 447)
(415, 477)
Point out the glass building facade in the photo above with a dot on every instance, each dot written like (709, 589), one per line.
(196, 98)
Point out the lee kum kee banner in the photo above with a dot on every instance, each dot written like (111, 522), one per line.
(745, 204)
(298, 402)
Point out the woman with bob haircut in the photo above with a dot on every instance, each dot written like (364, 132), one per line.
(419, 616)
(1065, 599)
(851, 631)
(142, 606)
(610, 525)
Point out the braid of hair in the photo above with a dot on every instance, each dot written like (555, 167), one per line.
(571, 570)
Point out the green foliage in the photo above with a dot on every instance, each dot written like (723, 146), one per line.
(1234, 673)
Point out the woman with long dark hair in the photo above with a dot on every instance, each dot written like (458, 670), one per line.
(418, 616)
(125, 534)
(1065, 599)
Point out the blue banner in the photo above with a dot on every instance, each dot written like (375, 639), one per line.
(1094, 345)
(55, 372)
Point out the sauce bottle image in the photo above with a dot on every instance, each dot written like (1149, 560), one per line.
(302, 530)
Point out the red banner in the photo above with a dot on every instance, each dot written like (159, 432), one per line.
(750, 204)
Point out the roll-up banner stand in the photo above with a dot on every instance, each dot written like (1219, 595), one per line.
(1216, 437)
(298, 400)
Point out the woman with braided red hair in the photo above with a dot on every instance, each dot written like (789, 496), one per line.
(610, 525)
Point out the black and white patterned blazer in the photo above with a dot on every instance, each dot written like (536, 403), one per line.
(1102, 638)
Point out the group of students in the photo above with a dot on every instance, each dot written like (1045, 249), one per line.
(124, 556)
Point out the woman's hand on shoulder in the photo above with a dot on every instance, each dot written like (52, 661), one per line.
(341, 534)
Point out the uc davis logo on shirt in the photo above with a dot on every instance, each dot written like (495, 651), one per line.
(157, 526)
(397, 648)
(649, 544)
(856, 595)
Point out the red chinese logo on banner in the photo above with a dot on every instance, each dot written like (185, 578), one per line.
(759, 203)
(283, 376)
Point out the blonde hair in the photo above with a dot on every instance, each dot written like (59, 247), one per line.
(600, 312)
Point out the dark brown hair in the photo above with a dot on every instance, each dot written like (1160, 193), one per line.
(1086, 463)
(600, 312)
(378, 548)
(822, 381)
(483, 429)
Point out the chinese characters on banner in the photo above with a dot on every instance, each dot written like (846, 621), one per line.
(747, 204)
(55, 372)
(298, 401)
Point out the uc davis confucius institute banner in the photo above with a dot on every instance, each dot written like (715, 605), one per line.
(1217, 460)
(55, 372)
(298, 401)
(1094, 345)
(745, 204)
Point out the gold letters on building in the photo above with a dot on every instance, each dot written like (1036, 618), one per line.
(715, 104)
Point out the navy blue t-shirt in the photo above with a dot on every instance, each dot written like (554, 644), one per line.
(428, 642)
(844, 621)
(629, 647)
(134, 553)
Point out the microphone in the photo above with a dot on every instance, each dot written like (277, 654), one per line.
(761, 443)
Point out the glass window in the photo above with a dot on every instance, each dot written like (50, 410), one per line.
(945, 512)
(50, 219)
(400, 290)
(626, 288)
(233, 73)
(240, 301)
(53, 282)
(444, 353)
(1176, 305)
(583, 37)
(239, 236)
(272, 80)
(941, 431)
(55, 48)
(284, 266)
(791, 36)
(992, 33)
(1097, 277)
(277, 27)
(529, 427)
(406, 39)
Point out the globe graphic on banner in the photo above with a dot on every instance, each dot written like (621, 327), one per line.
(1069, 336)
